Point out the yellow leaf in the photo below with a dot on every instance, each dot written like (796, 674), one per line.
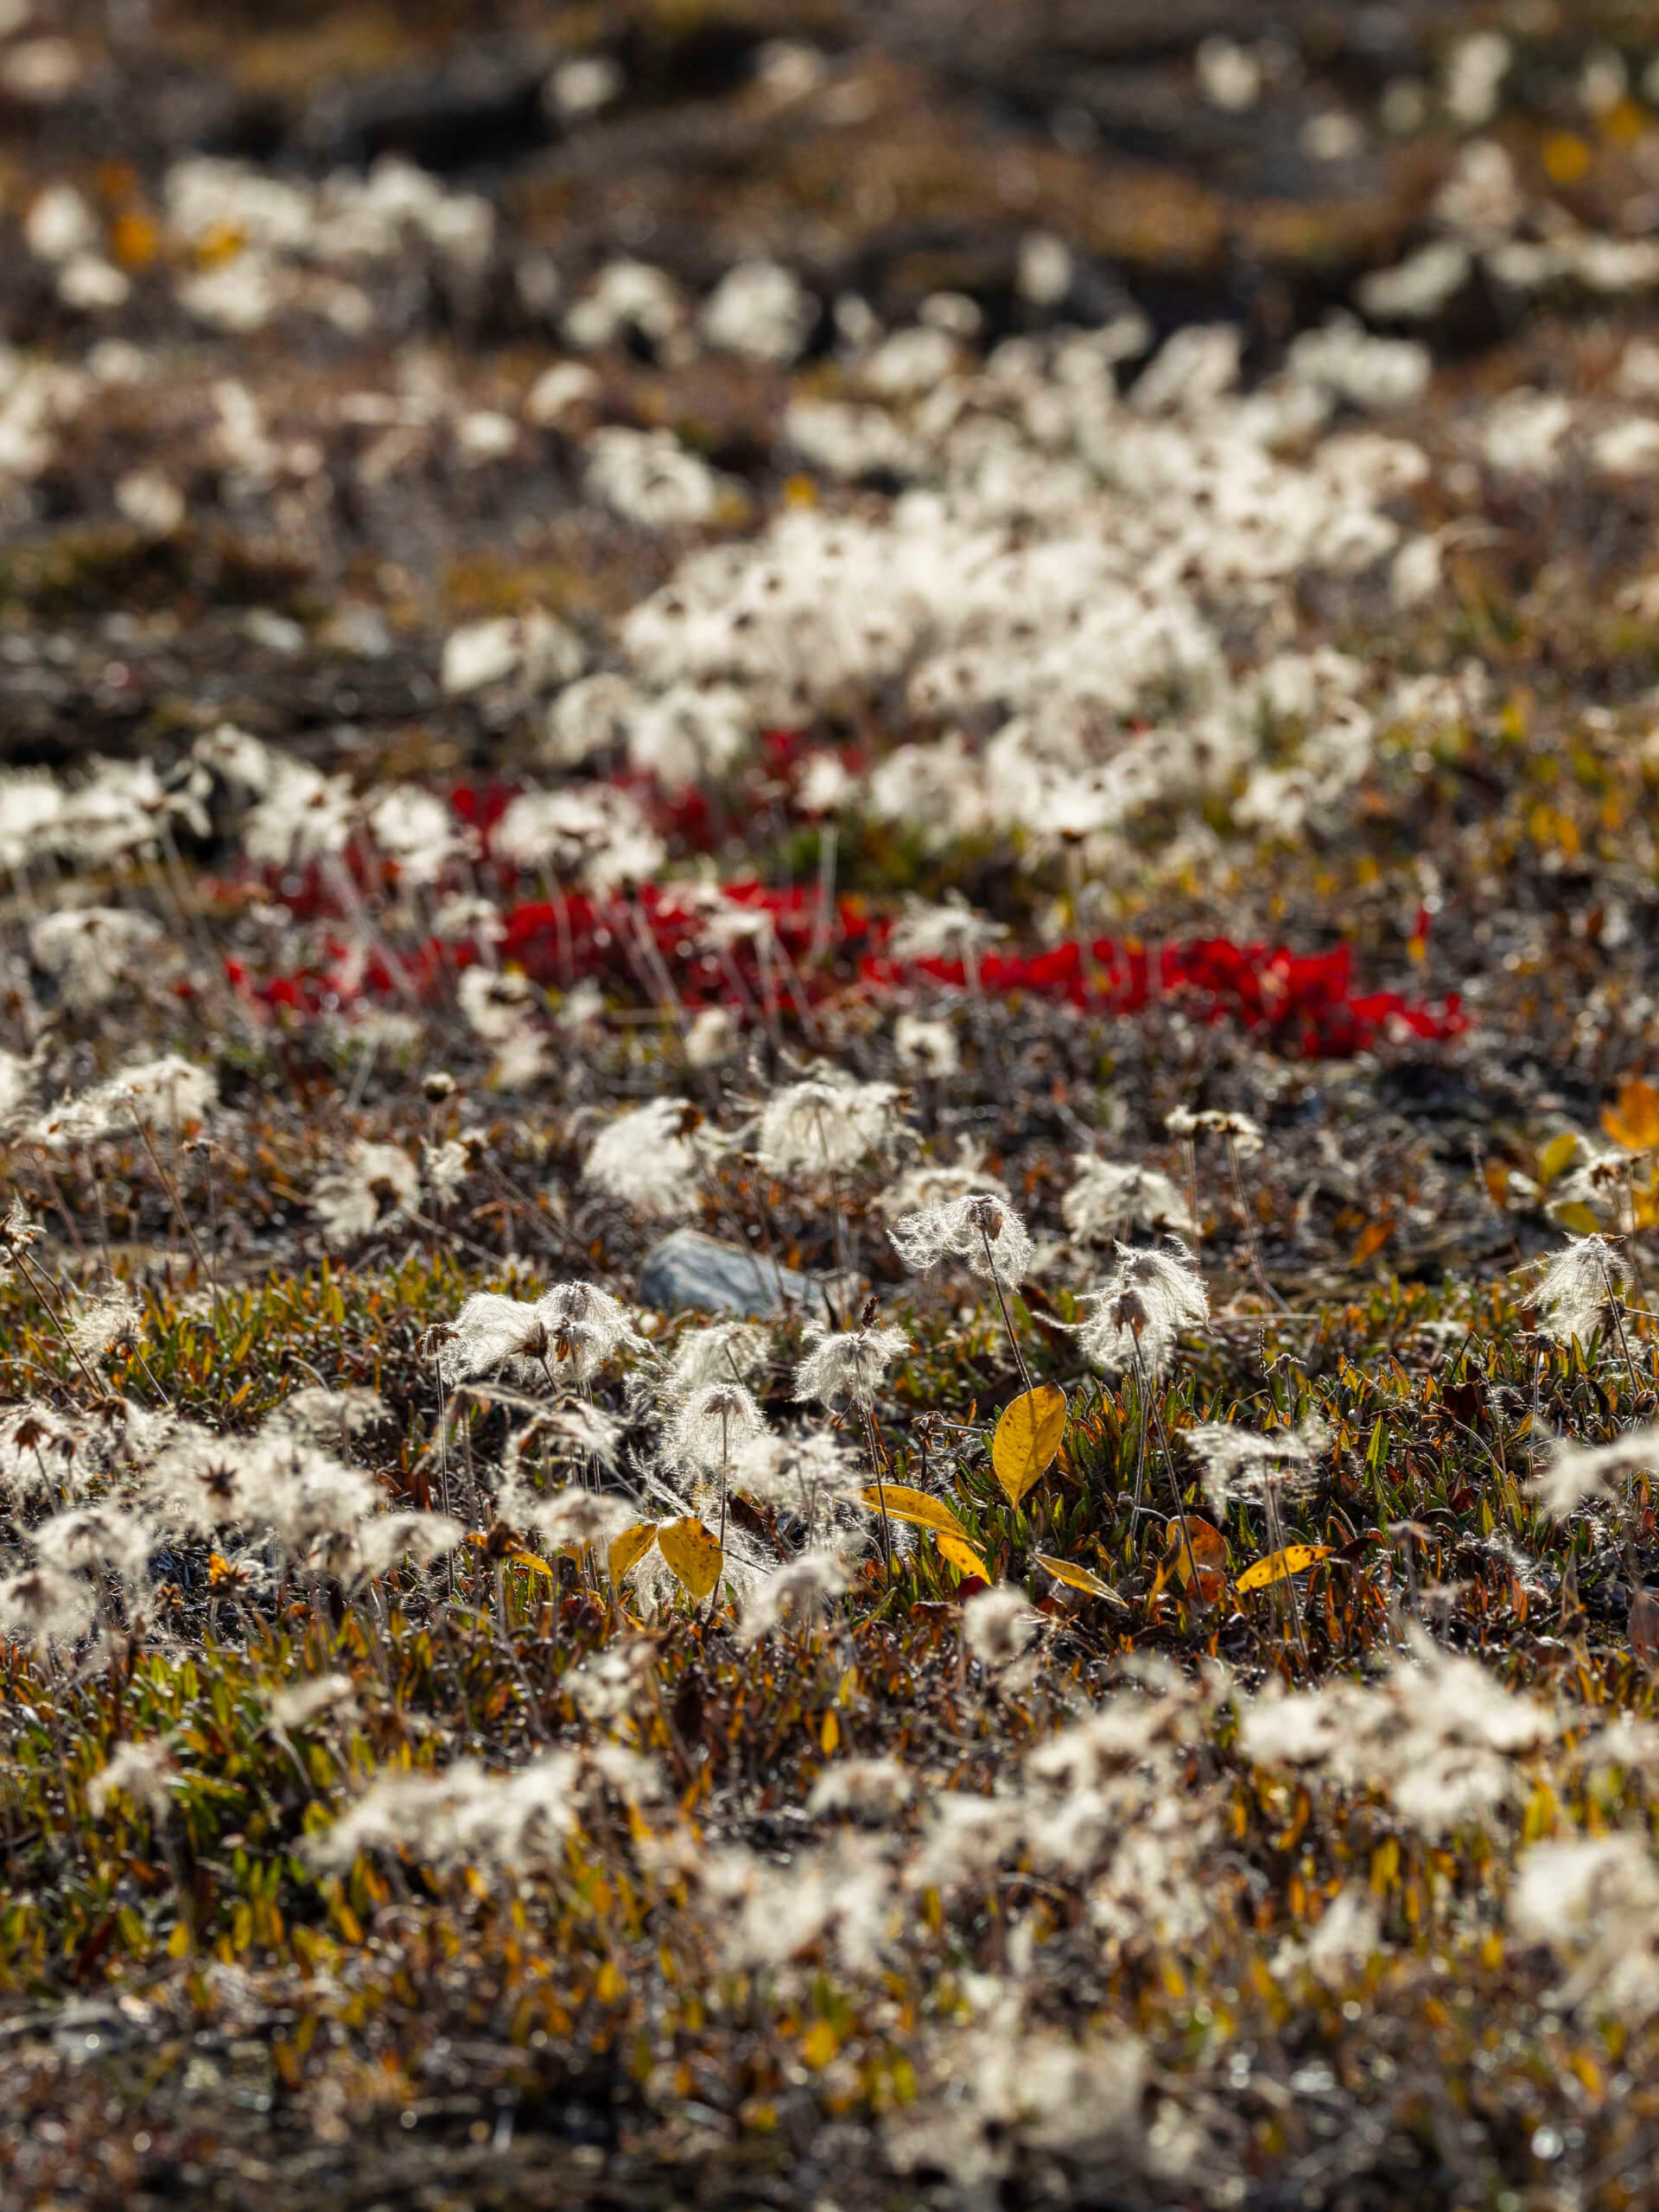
(1634, 1123)
(630, 1548)
(1274, 1566)
(1079, 1578)
(818, 2045)
(529, 1559)
(1027, 1437)
(1556, 1155)
(1567, 157)
(914, 1506)
(1574, 1215)
(830, 1734)
(692, 1553)
(962, 1555)
(607, 1983)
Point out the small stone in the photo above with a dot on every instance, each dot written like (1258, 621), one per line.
(690, 1269)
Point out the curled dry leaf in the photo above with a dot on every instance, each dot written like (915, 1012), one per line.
(1208, 1554)
(1027, 1438)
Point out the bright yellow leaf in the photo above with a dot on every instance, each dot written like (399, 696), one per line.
(915, 1506)
(1274, 1566)
(529, 1559)
(1079, 1578)
(1574, 1214)
(962, 1555)
(1567, 158)
(818, 2045)
(1027, 1438)
(830, 1734)
(692, 1553)
(629, 1548)
(1557, 1155)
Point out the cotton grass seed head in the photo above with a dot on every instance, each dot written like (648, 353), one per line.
(1576, 1287)
(826, 1123)
(376, 1191)
(797, 1591)
(798, 1474)
(1107, 1199)
(709, 1425)
(140, 1771)
(1575, 1474)
(982, 1231)
(727, 1352)
(1243, 1463)
(847, 1366)
(1152, 1296)
(647, 1159)
(43, 1607)
(998, 1625)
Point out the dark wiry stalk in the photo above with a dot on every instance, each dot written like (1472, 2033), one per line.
(1619, 1325)
(1007, 1318)
(87, 1169)
(725, 1470)
(1276, 1543)
(1248, 1223)
(1169, 1461)
(174, 1200)
(881, 1493)
(834, 1195)
(39, 1283)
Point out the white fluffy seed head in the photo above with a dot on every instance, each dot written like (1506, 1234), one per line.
(648, 1159)
(1149, 1300)
(709, 1425)
(847, 1365)
(796, 1592)
(997, 1625)
(982, 1231)
(1107, 1199)
(1576, 1288)
(825, 1124)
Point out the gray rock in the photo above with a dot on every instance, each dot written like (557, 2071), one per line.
(689, 1268)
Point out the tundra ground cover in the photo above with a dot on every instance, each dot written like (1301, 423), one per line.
(827, 1110)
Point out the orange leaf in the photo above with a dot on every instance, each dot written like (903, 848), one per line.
(1209, 1555)
(1371, 1239)
(1634, 1122)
